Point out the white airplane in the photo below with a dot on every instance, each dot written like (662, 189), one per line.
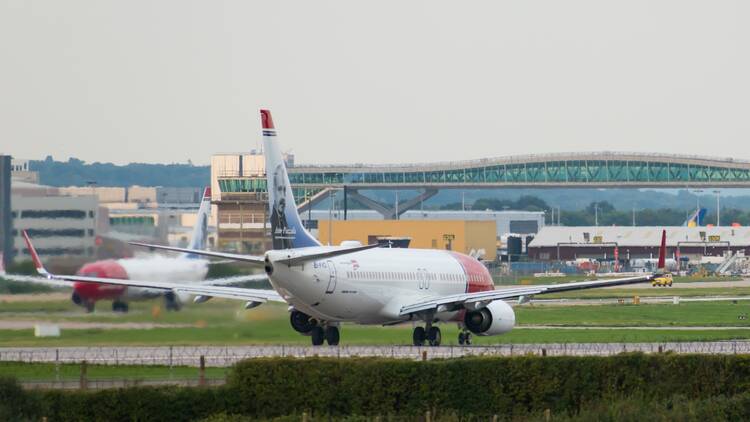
(329, 285)
(184, 268)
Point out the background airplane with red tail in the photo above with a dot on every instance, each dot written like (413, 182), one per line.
(186, 268)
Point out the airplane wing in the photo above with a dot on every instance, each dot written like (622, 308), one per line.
(295, 258)
(203, 291)
(37, 280)
(477, 300)
(230, 281)
(253, 259)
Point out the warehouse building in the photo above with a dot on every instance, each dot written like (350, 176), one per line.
(506, 222)
(569, 243)
(469, 237)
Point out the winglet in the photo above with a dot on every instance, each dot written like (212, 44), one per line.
(662, 251)
(207, 193)
(34, 256)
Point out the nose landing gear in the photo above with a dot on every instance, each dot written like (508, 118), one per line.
(464, 338)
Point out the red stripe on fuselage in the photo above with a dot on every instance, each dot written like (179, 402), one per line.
(478, 279)
(104, 269)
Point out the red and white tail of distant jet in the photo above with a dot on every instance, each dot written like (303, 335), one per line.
(186, 268)
(329, 285)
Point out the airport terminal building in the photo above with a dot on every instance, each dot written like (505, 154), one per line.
(557, 243)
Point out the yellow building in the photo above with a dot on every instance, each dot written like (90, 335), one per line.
(458, 235)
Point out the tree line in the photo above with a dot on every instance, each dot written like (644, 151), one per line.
(75, 172)
(603, 213)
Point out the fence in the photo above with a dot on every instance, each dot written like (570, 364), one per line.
(227, 356)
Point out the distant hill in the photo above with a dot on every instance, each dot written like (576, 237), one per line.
(75, 172)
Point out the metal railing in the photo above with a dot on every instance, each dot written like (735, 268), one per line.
(216, 356)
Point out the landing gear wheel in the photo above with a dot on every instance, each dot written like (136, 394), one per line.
(318, 336)
(434, 336)
(171, 302)
(332, 336)
(419, 336)
(119, 307)
(461, 338)
(467, 339)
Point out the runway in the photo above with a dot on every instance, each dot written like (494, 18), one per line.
(226, 356)
(642, 299)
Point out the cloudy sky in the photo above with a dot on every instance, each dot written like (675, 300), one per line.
(373, 82)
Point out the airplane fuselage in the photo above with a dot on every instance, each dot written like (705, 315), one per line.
(371, 286)
(152, 268)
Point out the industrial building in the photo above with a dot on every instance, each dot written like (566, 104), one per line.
(457, 235)
(506, 222)
(143, 196)
(569, 243)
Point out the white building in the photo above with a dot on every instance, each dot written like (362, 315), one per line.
(59, 225)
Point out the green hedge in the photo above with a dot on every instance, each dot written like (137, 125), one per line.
(518, 387)
(478, 386)
(125, 404)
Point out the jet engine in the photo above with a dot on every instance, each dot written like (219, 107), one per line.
(76, 298)
(301, 322)
(495, 318)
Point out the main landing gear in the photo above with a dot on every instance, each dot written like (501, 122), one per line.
(328, 334)
(431, 334)
(118, 306)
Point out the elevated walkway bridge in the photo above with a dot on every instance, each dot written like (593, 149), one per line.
(561, 170)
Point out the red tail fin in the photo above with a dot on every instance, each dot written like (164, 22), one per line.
(662, 251)
(34, 256)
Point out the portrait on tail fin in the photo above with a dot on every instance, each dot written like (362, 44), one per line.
(281, 233)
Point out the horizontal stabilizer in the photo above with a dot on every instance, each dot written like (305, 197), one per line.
(301, 259)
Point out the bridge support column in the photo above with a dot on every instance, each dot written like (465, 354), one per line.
(313, 200)
(390, 213)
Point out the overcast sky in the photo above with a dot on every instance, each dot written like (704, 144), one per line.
(372, 82)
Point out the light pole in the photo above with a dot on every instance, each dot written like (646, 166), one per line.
(697, 193)
(596, 214)
(718, 209)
